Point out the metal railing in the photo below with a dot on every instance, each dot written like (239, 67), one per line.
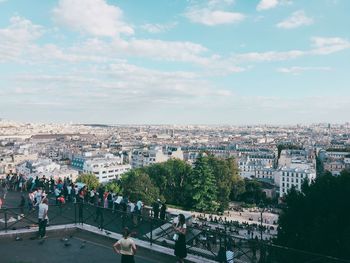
(203, 241)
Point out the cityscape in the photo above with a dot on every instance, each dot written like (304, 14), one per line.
(174, 131)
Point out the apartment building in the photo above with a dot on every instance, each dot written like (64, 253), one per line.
(294, 177)
(105, 169)
(157, 154)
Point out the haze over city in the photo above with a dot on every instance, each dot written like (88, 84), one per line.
(175, 62)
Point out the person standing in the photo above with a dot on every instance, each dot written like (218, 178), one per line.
(57, 194)
(43, 217)
(163, 212)
(180, 238)
(5, 190)
(156, 209)
(99, 213)
(38, 196)
(126, 247)
(22, 204)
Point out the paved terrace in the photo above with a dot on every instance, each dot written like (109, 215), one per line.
(67, 246)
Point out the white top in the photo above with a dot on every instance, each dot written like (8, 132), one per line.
(57, 192)
(139, 204)
(132, 207)
(38, 195)
(43, 208)
(126, 245)
(230, 256)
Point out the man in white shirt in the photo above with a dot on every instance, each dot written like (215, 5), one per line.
(57, 194)
(43, 217)
(38, 196)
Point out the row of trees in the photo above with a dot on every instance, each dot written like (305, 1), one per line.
(207, 186)
(317, 219)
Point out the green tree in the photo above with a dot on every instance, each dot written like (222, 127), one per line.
(172, 179)
(253, 192)
(90, 180)
(204, 189)
(317, 219)
(137, 184)
(113, 186)
(223, 175)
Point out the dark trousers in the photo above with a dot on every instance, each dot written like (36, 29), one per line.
(42, 227)
(99, 217)
(80, 211)
(127, 259)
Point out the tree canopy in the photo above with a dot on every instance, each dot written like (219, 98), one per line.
(204, 186)
(90, 180)
(317, 218)
(207, 186)
(138, 185)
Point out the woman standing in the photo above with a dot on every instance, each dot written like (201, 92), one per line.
(180, 239)
(126, 247)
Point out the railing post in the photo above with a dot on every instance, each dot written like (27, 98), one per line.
(5, 219)
(75, 213)
(82, 212)
(151, 236)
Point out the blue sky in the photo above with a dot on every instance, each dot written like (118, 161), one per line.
(175, 61)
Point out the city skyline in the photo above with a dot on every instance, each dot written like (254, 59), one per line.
(218, 62)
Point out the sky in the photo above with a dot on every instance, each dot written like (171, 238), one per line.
(233, 62)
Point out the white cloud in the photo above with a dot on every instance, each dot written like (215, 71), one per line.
(297, 19)
(21, 30)
(266, 4)
(213, 13)
(299, 70)
(158, 28)
(18, 37)
(324, 46)
(268, 56)
(214, 17)
(122, 84)
(269, 4)
(319, 46)
(95, 17)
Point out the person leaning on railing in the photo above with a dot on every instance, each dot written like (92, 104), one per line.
(126, 247)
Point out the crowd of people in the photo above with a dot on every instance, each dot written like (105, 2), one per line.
(231, 226)
(37, 193)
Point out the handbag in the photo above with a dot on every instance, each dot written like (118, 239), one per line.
(176, 237)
